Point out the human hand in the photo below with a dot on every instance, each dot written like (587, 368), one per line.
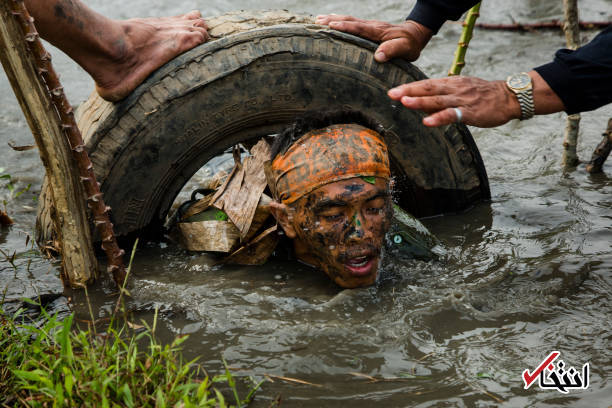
(404, 40)
(482, 103)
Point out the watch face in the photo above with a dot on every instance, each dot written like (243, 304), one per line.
(519, 81)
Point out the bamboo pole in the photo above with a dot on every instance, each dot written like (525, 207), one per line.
(602, 151)
(70, 172)
(464, 40)
(545, 25)
(571, 29)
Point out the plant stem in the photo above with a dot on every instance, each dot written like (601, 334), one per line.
(545, 25)
(602, 151)
(572, 127)
(464, 40)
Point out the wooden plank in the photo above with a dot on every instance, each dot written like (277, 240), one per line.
(242, 192)
(262, 213)
(257, 251)
(215, 236)
(78, 260)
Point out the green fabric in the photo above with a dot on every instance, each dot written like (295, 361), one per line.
(221, 216)
(369, 179)
(210, 214)
(409, 238)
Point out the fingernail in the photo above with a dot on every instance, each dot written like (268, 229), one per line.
(335, 24)
(380, 56)
(407, 100)
(394, 93)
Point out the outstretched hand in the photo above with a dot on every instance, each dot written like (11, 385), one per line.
(404, 40)
(482, 103)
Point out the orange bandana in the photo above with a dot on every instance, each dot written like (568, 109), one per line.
(325, 156)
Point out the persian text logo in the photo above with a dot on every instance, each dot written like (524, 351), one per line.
(554, 375)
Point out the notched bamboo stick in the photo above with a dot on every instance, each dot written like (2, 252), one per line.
(51, 119)
(464, 40)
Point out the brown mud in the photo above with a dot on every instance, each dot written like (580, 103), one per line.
(527, 273)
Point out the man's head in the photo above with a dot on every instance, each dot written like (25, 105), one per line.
(331, 183)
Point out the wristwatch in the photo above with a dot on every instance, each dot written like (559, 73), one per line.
(522, 87)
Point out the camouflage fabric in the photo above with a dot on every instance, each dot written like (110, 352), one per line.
(325, 156)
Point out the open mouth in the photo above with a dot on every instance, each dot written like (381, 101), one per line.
(360, 265)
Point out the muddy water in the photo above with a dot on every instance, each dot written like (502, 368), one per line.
(527, 273)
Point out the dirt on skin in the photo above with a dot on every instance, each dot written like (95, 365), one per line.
(526, 274)
(340, 222)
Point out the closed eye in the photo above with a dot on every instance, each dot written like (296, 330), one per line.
(332, 217)
(376, 205)
(374, 210)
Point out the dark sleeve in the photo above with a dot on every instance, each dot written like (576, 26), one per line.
(433, 13)
(582, 78)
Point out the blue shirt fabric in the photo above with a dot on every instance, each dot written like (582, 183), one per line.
(433, 13)
(582, 78)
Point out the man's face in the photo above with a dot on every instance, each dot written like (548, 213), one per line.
(340, 228)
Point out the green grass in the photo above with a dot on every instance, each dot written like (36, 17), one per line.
(58, 365)
(51, 362)
(10, 186)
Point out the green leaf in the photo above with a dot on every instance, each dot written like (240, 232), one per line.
(220, 378)
(38, 376)
(64, 340)
(68, 381)
(369, 179)
(203, 390)
(220, 399)
(59, 395)
(252, 392)
(484, 375)
(30, 301)
(26, 189)
(407, 375)
(127, 396)
(231, 382)
(179, 340)
(221, 216)
(160, 401)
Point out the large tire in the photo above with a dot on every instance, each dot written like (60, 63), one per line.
(253, 83)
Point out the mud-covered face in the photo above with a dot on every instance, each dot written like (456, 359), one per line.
(340, 228)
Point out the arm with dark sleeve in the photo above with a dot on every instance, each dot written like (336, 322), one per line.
(433, 13)
(583, 78)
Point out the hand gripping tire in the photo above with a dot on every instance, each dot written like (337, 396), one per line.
(264, 69)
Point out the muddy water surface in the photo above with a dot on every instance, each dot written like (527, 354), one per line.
(528, 273)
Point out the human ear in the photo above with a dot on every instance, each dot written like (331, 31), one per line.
(281, 213)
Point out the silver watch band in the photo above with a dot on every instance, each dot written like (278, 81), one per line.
(525, 99)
